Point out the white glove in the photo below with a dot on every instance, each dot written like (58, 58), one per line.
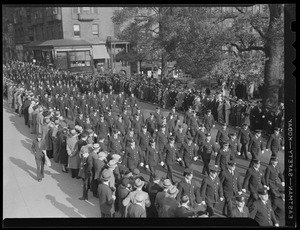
(262, 151)
(249, 153)
(113, 196)
(265, 186)
(276, 225)
(147, 166)
(156, 130)
(141, 164)
(267, 150)
(195, 158)
(95, 135)
(244, 190)
(239, 153)
(221, 198)
(263, 116)
(213, 126)
(162, 163)
(240, 192)
(283, 184)
(282, 147)
(203, 202)
(170, 133)
(179, 159)
(216, 153)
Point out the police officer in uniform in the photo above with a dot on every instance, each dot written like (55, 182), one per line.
(222, 135)
(243, 138)
(255, 146)
(152, 159)
(188, 152)
(274, 143)
(170, 154)
(206, 149)
(209, 121)
(143, 141)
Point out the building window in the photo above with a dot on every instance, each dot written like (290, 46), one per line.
(86, 10)
(80, 58)
(95, 10)
(59, 31)
(76, 30)
(55, 10)
(95, 30)
(76, 10)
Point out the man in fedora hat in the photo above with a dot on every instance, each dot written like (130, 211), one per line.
(184, 210)
(240, 210)
(162, 194)
(136, 209)
(138, 185)
(232, 186)
(243, 138)
(169, 203)
(188, 187)
(93, 156)
(106, 197)
(261, 210)
(253, 180)
(38, 150)
(73, 152)
(99, 165)
(256, 146)
(153, 187)
(211, 190)
(123, 190)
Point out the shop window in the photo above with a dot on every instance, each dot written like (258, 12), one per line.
(76, 10)
(80, 58)
(86, 10)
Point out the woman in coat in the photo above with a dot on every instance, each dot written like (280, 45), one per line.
(63, 154)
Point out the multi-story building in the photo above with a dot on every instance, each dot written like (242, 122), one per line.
(8, 42)
(70, 38)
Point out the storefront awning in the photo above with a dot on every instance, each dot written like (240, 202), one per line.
(100, 52)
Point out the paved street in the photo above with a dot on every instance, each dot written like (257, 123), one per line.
(57, 194)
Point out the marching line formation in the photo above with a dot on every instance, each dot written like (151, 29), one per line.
(105, 140)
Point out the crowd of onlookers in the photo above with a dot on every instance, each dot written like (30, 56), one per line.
(107, 150)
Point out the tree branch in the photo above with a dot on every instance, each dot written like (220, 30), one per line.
(249, 48)
(258, 30)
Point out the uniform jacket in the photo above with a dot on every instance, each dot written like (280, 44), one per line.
(153, 156)
(188, 152)
(199, 137)
(223, 157)
(143, 140)
(237, 213)
(231, 183)
(115, 145)
(170, 153)
(253, 180)
(262, 213)
(234, 146)
(274, 142)
(211, 190)
(208, 121)
(255, 146)
(179, 139)
(273, 178)
(222, 136)
(132, 156)
(206, 148)
(189, 189)
(161, 139)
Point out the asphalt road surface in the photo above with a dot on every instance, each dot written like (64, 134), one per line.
(57, 194)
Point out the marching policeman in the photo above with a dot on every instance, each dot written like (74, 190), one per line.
(275, 141)
(200, 135)
(130, 136)
(115, 144)
(152, 159)
(132, 156)
(255, 146)
(206, 149)
(232, 186)
(173, 116)
(193, 124)
(120, 126)
(102, 127)
(261, 210)
(180, 137)
(253, 180)
(188, 152)
(143, 141)
(79, 120)
(208, 120)
(187, 116)
(71, 106)
(222, 135)
(170, 154)
(243, 138)
(211, 190)
(151, 124)
(233, 144)
(110, 120)
(161, 141)
(224, 156)
(274, 178)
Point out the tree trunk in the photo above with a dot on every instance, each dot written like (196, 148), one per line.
(273, 51)
(164, 66)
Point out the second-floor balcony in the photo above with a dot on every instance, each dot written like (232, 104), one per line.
(86, 17)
